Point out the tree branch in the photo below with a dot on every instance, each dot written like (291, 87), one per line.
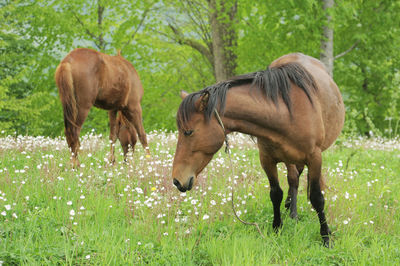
(347, 51)
(137, 28)
(193, 10)
(179, 38)
(98, 40)
(88, 32)
(100, 10)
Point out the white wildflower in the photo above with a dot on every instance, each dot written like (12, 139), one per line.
(346, 195)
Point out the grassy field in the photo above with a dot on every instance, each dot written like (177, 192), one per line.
(131, 214)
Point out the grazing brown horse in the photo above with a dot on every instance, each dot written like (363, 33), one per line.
(87, 78)
(294, 109)
(124, 135)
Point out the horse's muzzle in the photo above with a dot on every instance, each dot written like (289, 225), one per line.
(184, 188)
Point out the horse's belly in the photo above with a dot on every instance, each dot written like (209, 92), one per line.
(288, 154)
(109, 98)
(282, 151)
(107, 105)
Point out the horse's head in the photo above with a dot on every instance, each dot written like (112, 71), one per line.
(198, 140)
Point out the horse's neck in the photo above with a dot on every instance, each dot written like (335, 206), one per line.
(250, 113)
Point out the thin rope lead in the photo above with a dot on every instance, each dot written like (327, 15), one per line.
(223, 128)
(227, 150)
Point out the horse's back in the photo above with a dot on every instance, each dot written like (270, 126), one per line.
(328, 95)
(83, 60)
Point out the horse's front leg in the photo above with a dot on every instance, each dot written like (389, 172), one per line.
(113, 134)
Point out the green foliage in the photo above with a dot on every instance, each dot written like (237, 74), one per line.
(369, 75)
(36, 35)
(17, 97)
(270, 29)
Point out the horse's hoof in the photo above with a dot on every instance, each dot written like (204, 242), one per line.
(277, 225)
(327, 242)
(294, 216)
(112, 160)
(326, 238)
(75, 164)
(287, 203)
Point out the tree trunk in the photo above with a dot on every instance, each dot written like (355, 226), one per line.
(327, 38)
(224, 37)
(100, 40)
(220, 42)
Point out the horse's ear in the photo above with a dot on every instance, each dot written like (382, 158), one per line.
(183, 94)
(202, 102)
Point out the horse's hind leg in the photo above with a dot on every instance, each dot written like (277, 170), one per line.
(112, 115)
(72, 132)
(316, 197)
(72, 136)
(293, 174)
(134, 116)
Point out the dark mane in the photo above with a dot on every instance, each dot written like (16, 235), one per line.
(273, 82)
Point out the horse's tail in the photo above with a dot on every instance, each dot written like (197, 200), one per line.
(66, 90)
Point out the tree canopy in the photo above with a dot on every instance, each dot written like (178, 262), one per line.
(182, 44)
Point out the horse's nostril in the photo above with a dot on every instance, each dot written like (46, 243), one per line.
(176, 183)
(191, 182)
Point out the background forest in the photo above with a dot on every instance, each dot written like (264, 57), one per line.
(182, 44)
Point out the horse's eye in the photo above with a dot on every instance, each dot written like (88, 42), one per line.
(188, 133)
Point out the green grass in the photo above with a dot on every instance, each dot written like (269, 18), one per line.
(131, 214)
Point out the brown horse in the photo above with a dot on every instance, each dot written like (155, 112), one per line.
(87, 78)
(294, 109)
(124, 135)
